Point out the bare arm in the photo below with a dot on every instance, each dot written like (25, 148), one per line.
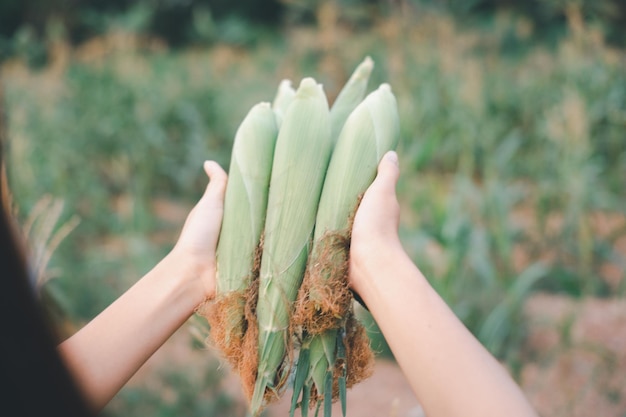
(451, 373)
(105, 353)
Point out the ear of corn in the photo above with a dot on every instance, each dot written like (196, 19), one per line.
(245, 202)
(284, 97)
(371, 130)
(245, 205)
(300, 162)
(350, 96)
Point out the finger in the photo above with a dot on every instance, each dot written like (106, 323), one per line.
(217, 181)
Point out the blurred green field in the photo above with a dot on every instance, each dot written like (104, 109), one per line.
(513, 154)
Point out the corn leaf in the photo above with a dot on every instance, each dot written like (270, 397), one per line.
(350, 96)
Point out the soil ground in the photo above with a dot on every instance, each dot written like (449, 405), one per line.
(393, 396)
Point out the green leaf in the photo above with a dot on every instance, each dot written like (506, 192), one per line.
(317, 409)
(341, 355)
(328, 394)
(306, 396)
(302, 369)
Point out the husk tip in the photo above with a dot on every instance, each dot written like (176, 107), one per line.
(368, 63)
(307, 83)
(285, 84)
(310, 88)
(365, 68)
(385, 87)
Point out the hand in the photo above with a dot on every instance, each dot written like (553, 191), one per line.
(375, 228)
(197, 243)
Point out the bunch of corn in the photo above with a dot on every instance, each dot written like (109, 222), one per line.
(287, 220)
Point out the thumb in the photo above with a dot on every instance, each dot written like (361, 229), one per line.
(388, 172)
(218, 178)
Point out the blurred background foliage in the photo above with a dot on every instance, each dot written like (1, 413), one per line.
(513, 147)
(24, 24)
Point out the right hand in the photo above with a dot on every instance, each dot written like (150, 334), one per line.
(375, 228)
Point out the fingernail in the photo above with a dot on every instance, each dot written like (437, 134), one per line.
(392, 156)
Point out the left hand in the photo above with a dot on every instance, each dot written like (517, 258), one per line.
(197, 243)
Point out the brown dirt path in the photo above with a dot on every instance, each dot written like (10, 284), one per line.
(574, 365)
(575, 356)
(385, 394)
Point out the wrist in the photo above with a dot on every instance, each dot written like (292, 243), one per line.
(193, 276)
(386, 278)
(375, 264)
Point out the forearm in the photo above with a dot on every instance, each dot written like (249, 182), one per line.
(105, 353)
(451, 373)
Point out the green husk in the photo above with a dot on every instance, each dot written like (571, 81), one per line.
(300, 161)
(371, 130)
(284, 97)
(245, 203)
